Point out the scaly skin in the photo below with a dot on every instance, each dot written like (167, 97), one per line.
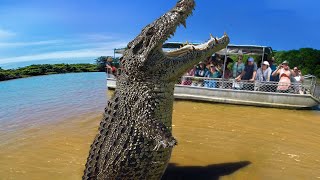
(134, 139)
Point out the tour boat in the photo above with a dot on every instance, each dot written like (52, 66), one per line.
(229, 91)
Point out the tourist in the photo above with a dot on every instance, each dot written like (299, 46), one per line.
(214, 73)
(263, 73)
(188, 80)
(202, 70)
(225, 70)
(238, 66)
(111, 70)
(297, 75)
(285, 75)
(248, 74)
(298, 80)
(273, 67)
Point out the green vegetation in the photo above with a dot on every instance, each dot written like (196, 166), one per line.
(101, 63)
(44, 69)
(306, 59)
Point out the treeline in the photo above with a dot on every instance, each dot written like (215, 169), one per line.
(45, 69)
(306, 59)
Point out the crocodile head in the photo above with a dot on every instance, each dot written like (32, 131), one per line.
(145, 51)
(156, 33)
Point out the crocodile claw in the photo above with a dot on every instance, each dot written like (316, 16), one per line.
(165, 144)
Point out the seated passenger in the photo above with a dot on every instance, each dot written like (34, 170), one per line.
(285, 75)
(263, 73)
(238, 67)
(202, 71)
(214, 73)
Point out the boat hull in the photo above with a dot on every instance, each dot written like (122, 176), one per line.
(240, 97)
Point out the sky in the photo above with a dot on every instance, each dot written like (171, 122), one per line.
(80, 29)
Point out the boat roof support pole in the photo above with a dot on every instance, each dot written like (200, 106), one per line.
(263, 50)
(224, 65)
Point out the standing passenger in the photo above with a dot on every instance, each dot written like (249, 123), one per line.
(249, 74)
(273, 67)
(238, 67)
(285, 74)
(263, 73)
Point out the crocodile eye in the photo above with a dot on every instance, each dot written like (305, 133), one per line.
(137, 47)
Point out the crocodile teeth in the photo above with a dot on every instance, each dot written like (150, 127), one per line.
(216, 40)
(184, 24)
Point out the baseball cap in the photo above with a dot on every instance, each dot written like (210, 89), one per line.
(250, 59)
(266, 63)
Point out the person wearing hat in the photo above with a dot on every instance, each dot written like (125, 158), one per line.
(202, 70)
(249, 72)
(285, 74)
(263, 73)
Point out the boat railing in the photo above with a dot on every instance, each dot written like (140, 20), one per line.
(262, 86)
(308, 86)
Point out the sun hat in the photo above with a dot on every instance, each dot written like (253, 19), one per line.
(285, 62)
(109, 59)
(250, 59)
(266, 63)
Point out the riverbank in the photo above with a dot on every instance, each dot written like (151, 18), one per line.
(45, 69)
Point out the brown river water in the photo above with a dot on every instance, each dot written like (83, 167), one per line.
(279, 144)
(222, 141)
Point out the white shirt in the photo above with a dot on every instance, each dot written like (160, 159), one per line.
(263, 75)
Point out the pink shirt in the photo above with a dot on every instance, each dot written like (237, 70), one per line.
(284, 82)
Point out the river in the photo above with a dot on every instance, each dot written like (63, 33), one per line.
(47, 124)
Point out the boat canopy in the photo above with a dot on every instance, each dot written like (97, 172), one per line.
(232, 49)
(119, 50)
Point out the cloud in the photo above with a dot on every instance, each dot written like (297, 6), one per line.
(75, 46)
(106, 49)
(96, 37)
(6, 34)
(35, 43)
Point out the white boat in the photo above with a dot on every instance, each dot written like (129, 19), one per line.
(229, 91)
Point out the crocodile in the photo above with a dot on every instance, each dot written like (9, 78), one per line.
(135, 134)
